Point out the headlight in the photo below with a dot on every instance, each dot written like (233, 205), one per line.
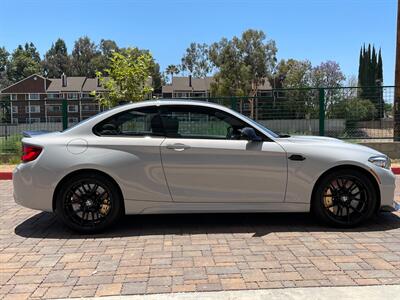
(381, 161)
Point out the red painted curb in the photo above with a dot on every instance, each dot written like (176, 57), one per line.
(5, 175)
(8, 175)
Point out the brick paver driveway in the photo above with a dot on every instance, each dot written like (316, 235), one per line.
(149, 254)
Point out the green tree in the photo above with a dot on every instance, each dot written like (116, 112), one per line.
(83, 57)
(296, 73)
(379, 68)
(329, 75)
(243, 63)
(370, 78)
(172, 70)
(4, 62)
(24, 62)
(232, 76)
(355, 109)
(157, 80)
(101, 61)
(56, 60)
(127, 77)
(196, 60)
(299, 102)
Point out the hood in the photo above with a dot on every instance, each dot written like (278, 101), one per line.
(310, 138)
(322, 142)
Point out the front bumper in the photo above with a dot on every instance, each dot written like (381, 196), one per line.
(390, 208)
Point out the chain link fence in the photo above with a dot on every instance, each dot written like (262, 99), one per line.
(351, 113)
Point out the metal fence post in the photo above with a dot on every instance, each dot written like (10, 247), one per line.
(321, 112)
(234, 103)
(64, 114)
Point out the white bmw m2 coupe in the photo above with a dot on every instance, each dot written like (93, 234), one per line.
(175, 156)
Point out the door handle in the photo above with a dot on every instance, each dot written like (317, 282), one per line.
(178, 147)
(297, 157)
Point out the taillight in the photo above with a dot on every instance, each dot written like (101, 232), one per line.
(30, 153)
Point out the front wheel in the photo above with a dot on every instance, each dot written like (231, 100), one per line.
(88, 203)
(344, 198)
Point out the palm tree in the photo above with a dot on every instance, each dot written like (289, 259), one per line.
(172, 69)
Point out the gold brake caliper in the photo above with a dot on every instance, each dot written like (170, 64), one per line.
(328, 199)
(105, 206)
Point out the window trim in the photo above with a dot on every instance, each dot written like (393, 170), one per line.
(264, 137)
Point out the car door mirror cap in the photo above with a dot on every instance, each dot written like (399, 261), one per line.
(250, 134)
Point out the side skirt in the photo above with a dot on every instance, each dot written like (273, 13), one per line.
(150, 207)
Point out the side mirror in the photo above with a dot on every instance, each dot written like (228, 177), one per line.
(249, 134)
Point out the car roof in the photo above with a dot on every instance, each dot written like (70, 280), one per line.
(160, 102)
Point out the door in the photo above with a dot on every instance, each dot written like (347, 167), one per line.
(127, 145)
(205, 159)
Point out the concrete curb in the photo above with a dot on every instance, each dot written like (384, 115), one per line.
(376, 292)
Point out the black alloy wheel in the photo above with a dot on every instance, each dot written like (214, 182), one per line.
(88, 203)
(345, 198)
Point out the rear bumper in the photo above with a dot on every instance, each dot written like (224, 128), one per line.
(29, 191)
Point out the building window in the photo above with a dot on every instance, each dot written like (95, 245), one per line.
(14, 121)
(33, 96)
(32, 120)
(13, 97)
(52, 96)
(72, 96)
(199, 94)
(54, 119)
(181, 95)
(14, 109)
(72, 108)
(32, 109)
(72, 120)
(87, 95)
(89, 107)
(54, 108)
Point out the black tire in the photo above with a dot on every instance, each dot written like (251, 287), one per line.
(89, 203)
(344, 198)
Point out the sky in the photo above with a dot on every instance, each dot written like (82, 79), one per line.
(317, 30)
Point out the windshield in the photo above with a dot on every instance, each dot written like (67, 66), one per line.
(270, 132)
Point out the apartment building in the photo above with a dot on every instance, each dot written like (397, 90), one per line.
(37, 99)
(189, 87)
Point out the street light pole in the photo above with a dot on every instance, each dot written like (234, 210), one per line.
(396, 104)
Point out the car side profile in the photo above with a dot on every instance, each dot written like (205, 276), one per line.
(175, 156)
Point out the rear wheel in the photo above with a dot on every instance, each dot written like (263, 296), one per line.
(88, 203)
(344, 198)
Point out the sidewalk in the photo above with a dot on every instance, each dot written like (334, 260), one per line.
(321, 293)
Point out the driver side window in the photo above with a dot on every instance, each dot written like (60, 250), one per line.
(184, 121)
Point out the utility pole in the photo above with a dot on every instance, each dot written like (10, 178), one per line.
(396, 104)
